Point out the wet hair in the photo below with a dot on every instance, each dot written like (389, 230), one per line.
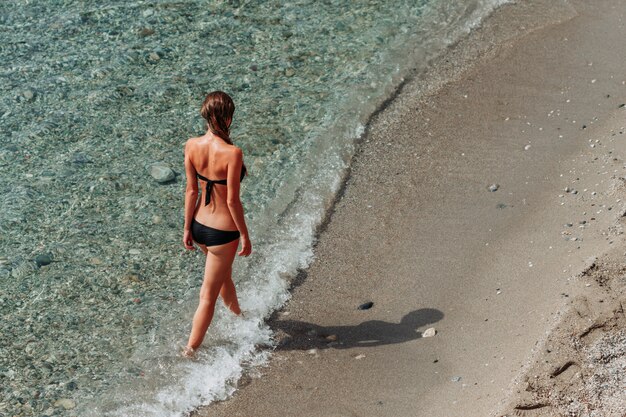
(218, 109)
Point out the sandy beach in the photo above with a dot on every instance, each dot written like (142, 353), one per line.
(482, 200)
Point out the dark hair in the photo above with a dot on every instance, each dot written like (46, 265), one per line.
(218, 109)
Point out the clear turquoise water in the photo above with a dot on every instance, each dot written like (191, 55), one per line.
(92, 94)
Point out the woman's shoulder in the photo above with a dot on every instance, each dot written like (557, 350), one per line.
(191, 142)
(232, 151)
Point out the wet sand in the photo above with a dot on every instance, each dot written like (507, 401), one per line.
(529, 102)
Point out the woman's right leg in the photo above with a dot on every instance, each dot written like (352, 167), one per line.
(219, 260)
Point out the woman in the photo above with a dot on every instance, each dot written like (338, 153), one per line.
(217, 222)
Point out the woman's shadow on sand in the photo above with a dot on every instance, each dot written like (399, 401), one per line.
(294, 334)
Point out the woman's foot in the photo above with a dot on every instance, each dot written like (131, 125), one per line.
(236, 311)
(189, 352)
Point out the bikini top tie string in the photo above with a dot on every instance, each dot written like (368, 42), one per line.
(209, 184)
(209, 187)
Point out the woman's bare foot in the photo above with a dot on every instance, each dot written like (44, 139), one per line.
(236, 310)
(189, 352)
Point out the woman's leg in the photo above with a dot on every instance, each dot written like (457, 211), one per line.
(219, 261)
(229, 293)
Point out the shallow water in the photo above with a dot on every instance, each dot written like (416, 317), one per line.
(96, 290)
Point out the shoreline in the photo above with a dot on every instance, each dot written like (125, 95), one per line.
(305, 334)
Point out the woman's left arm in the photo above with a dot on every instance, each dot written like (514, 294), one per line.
(191, 197)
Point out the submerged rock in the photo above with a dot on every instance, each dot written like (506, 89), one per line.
(43, 259)
(162, 173)
(66, 403)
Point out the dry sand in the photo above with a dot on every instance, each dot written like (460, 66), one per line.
(500, 275)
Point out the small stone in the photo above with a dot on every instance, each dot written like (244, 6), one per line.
(131, 278)
(65, 403)
(162, 173)
(366, 306)
(95, 261)
(154, 57)
(359, 356)
(493, 187)
(43, 259)
(312, 351)
(80, 158)
(290, 72)
(430, 332)
(331, 337)
(156, 219)
(29, 95)
(455, 378)
(527, 147)
(143, 32)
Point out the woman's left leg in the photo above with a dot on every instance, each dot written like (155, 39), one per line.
(218, 264)
(229, 293)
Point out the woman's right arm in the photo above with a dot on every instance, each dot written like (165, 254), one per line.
(235, 207)
(191, 197)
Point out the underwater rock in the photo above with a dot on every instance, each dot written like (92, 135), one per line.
(162, 173)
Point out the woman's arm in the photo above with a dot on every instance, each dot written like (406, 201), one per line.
(235, 207)
(191, 197)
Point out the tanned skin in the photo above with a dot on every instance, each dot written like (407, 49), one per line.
(214, 159)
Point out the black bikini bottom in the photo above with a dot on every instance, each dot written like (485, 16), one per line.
(209, 236)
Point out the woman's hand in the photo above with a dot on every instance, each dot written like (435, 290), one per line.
(188, 240)
(246, 246)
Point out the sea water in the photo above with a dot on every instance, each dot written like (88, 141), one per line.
(96, 290)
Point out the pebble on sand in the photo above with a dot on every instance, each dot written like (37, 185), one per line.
(493, 187)
(366, 306)
(430, 332)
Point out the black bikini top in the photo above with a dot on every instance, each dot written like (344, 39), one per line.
(209, 184)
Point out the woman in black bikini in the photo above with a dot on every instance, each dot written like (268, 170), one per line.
(216, 222)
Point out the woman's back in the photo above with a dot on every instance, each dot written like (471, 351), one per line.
(209, 157)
